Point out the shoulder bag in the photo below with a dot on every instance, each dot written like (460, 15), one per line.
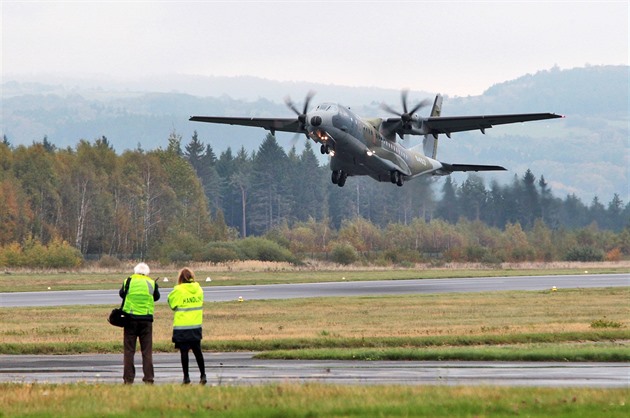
(117, 316)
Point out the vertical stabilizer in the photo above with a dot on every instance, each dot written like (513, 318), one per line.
(430, 142)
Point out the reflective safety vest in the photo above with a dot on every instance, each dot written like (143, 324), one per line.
(139, 300)
(186, 300)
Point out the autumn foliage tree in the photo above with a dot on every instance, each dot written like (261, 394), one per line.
(183, 203)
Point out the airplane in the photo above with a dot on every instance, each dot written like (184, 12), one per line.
(359, 146)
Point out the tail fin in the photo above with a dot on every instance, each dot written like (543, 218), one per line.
(430, 141)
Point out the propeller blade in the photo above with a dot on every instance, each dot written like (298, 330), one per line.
(301, 116)
(388, 109)
(289, 103)
(419, 106)
(309, 96)
(295, 138)
(403, 96)
(406, 118)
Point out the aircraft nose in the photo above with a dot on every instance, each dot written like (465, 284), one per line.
(316, 120)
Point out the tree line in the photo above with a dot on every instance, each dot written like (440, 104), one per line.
(185, 202)
(257, 192)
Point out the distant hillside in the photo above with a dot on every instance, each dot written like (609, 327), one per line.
(588, 91)
(585, 154)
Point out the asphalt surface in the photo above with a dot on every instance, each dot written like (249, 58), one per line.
(243, 368)
(341, 288)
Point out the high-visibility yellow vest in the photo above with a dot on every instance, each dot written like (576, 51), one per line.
(186, 300)
(139, 300)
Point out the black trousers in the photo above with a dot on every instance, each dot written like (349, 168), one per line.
(143, 331)
(195, 346)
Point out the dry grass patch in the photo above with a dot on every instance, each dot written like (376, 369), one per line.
(499, 313)
(419, 315)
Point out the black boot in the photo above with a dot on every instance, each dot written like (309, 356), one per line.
(203, 379)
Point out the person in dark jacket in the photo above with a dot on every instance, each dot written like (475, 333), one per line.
(140, 293)
(186, 300)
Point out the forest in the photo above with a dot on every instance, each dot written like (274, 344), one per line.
(60, 207)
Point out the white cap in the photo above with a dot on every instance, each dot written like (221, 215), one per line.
(142, 268)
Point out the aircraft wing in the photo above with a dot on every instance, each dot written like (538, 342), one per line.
(450, 124)
(271, 124)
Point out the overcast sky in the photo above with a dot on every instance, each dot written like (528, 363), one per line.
(457, 48)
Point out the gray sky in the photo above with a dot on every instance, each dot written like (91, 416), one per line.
(456, 48)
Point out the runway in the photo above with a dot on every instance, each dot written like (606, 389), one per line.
(243, 369)
(341, 288)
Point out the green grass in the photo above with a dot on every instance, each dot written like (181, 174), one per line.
(611, 346)
(307, 400)
(601, 352)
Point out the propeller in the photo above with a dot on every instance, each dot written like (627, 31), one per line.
(301, 115)
(406, 117)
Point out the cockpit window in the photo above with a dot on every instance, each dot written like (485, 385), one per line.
(327, 107)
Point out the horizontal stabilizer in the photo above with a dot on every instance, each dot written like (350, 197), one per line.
(471, 167)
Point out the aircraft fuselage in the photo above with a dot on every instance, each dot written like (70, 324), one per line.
(358, 147)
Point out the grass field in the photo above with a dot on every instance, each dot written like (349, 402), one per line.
(567, 325)
(312, 400)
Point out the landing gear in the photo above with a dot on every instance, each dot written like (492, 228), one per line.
(338, 177)
(335, 176)
(325, 149)
(396, 177)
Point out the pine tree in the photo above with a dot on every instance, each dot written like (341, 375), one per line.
(195, 153)
(472, 194)
(209, 157)
(48, 146)
(270, 202)
(240, 181)
(309, 187)
(530, 201)
(175, 144)
(448, 207)
(598, 212)
(495, 215)
(615, 209)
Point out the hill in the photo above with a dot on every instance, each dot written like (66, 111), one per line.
(585, 154)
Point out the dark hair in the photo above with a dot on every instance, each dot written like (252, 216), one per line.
(186, 276)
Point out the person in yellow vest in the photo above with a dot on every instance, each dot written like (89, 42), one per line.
(186, 300)
(140, 293)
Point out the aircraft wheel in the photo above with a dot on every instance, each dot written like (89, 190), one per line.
(392, 177)
(335, 176)
(342, 179)
(322, 149)
(399, 180)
